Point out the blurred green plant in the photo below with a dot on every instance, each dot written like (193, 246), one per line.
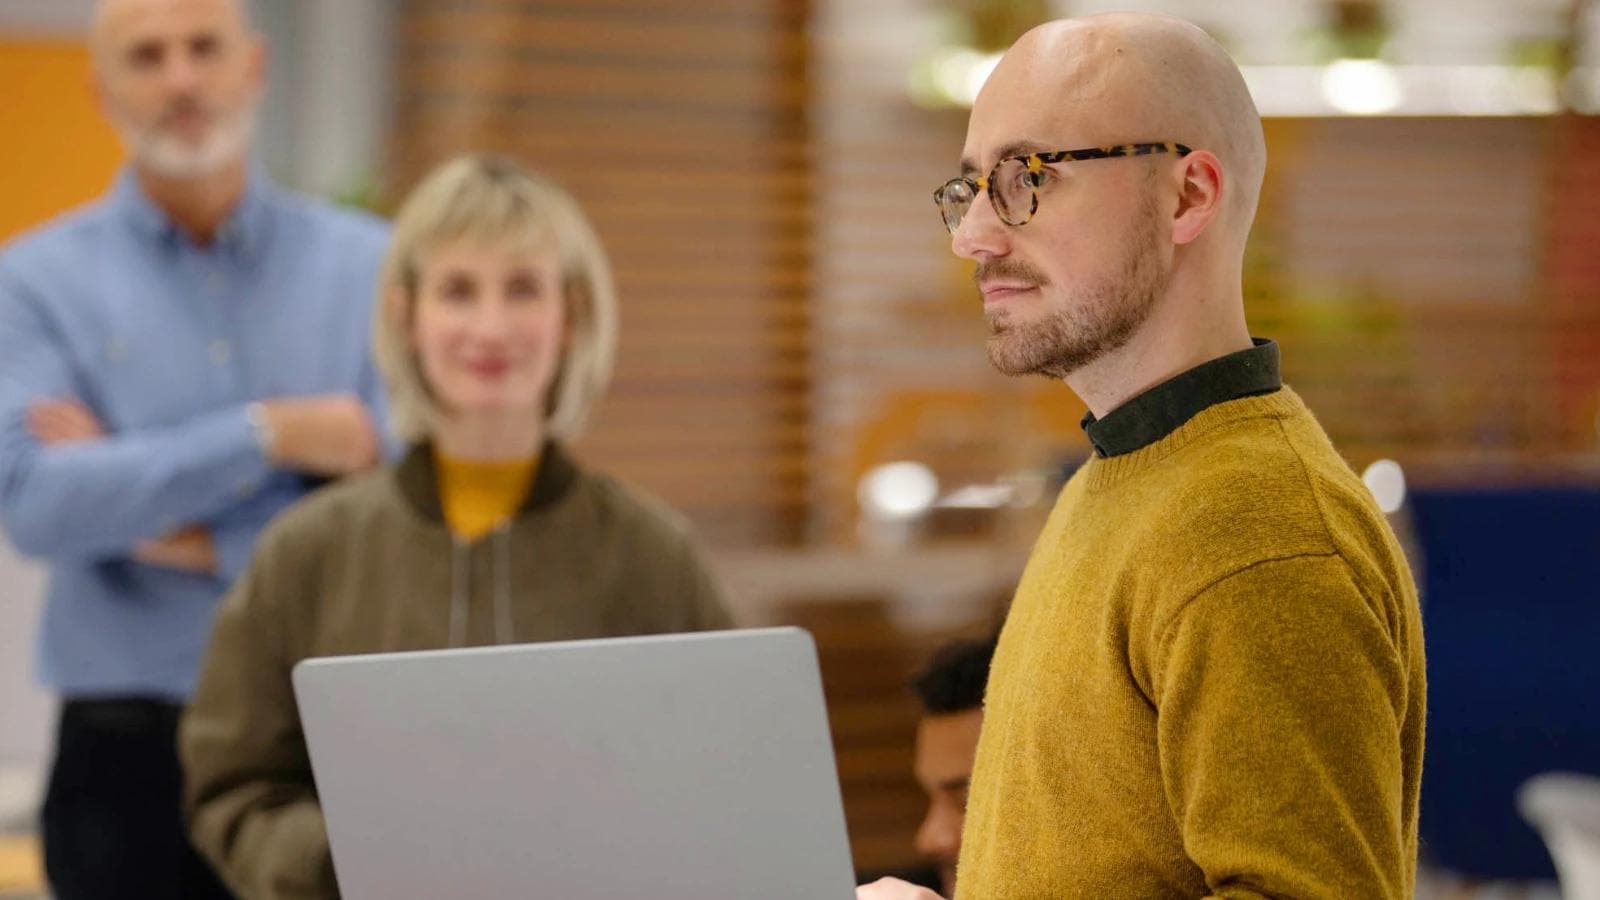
(364, 193)
(1550, 53)
(1351, 29)
(993, 25)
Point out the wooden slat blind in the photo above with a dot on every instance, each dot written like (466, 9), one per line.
(681, 127)
(1572, 275)
(1408, 266)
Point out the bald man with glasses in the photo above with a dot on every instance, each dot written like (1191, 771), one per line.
(1211, 680)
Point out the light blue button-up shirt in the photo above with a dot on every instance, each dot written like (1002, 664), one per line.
(167, 343)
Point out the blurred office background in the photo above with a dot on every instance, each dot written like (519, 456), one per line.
(802, 369)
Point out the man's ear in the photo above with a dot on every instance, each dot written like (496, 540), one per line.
(1200, 195)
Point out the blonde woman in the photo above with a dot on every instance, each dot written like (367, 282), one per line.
(495, 334)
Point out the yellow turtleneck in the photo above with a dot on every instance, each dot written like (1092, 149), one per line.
(477, 496)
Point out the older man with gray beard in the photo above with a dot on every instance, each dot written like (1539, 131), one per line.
(178, 362)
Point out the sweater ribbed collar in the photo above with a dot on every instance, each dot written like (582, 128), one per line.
(1102, 472)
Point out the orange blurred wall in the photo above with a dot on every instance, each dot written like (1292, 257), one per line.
(57, 151)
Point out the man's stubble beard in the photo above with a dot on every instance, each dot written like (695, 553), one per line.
(1096, 320)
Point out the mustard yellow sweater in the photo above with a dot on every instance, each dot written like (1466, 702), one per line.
(1210, 683)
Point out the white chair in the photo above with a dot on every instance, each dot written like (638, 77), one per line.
(1565, 808)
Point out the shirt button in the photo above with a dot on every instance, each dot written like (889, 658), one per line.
(245, 488)
(215, 282)
(221, 352)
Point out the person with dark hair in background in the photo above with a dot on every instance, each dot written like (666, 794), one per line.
(951, 690)
(178, 362)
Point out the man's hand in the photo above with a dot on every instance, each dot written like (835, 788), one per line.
(189, 550)
(894, 889)
(326, 435)
(63, 421)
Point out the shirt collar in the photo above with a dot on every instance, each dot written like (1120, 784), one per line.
(1159, 411)
(242, 231)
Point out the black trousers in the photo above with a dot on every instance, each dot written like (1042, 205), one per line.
(113, 823)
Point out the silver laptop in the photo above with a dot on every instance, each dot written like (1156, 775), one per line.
(693, 766)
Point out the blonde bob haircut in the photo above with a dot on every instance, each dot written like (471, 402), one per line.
(493, 200)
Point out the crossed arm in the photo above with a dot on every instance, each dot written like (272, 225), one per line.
(329, 435)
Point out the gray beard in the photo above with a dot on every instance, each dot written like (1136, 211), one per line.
(170, 158)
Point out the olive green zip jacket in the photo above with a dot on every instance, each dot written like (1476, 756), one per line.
(368, 565)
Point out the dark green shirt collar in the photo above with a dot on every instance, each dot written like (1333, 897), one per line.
(1159, 411)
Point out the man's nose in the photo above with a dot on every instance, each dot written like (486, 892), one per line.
(181, 75)
(981, 234)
